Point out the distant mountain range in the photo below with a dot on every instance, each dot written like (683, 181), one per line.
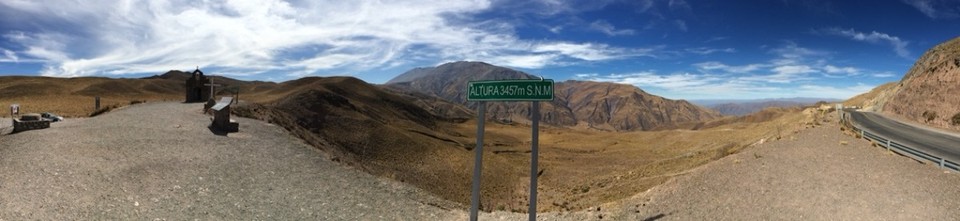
(745, 107)
(598, 105)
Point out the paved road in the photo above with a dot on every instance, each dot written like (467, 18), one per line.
(929, 141)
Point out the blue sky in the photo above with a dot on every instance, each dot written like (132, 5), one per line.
(673, 48)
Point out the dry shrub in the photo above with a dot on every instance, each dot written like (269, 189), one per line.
(929, 115)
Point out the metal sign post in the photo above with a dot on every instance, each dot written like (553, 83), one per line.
(534, 154)
(477, 164)
(508, 90)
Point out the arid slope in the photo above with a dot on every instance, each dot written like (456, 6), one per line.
(928, 92)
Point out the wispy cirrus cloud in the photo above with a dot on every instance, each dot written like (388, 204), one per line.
(884, 74)
(608, 29)
(707, 51)
(715, 65)
(300, 38)
(936, 9)
(9, 56)
(899, 45)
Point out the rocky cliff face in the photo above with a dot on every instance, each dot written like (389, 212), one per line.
(930, 92)
(598, 105)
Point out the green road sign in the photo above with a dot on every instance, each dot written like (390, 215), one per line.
(511, 90)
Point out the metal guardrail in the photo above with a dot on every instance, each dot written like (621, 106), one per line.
(905, 150)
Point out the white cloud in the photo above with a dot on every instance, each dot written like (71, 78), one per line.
(705, 86)
(689, 86)
(587, 52)
(792, 64)
(899, 46)
(791, 53)
(644, 79)
(302, 38)
(841, 70)
(793, 69)
(936, 9)
(609, 29)
(550, 7)
(707, 51)
(785, 74)
(525, 61)
(713, 65)
(885, 74)
(9, 56)
(556, 29)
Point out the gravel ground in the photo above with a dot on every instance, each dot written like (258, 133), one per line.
(159, 161)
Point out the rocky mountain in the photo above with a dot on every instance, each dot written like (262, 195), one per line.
(599, 105)
(928, 93)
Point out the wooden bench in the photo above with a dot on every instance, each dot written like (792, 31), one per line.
(221, 116)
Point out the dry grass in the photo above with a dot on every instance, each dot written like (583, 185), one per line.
(74, 97)
(583, 168)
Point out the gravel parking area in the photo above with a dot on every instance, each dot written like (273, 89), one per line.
(159, 161)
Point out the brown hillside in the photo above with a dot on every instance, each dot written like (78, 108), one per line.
(386, 134)
(175, 75)
(74, 97)
(598, 105)
(623, 107)
(928, 92)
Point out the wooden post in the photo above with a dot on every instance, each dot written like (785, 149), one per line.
(96, 104)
